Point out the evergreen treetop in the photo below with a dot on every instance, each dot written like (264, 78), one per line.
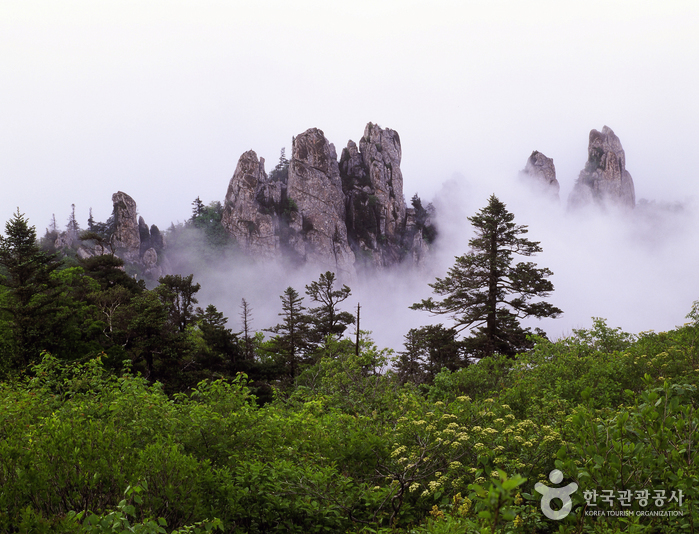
(485, 292)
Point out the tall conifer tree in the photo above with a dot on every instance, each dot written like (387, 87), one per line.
(485, 292)
(32, 294)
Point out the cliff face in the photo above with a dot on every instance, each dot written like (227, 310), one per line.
(604, 178)
(338, 215)
(381, 228)
(317, 216)
(251, 221)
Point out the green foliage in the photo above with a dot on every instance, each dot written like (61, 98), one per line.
(350, 449)
(427, 351)
(486, 293)
(326, 318)
(422, 219)
(29, 301)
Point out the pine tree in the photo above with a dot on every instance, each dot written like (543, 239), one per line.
(177, 294)
(280, 173)
(486, 293)
(248, 340)
(72, 228)
(291, 342)
(197, 208)
(326, 318)
(32, 293)
(427, 351)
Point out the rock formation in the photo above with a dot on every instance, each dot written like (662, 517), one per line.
(317, 215)
(604, 180)
(126, 239)
(338, 216)
(132, 241)
(540, 174)
(380, 226)
(251, 203)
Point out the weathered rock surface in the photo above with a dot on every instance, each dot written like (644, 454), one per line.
(540, 174)
(126, 240)
(317, 214)
(337, 215)
(604, 180)
(382, 230)
(132, 240)
(251, 203)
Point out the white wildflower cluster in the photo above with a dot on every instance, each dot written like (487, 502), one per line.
(552, 437)
(400, 450)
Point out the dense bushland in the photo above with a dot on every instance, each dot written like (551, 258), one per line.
(128, 409)
(350, 449)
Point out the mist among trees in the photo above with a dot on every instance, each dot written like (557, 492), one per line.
(133, 404)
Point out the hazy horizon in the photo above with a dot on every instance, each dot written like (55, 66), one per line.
(159, 99)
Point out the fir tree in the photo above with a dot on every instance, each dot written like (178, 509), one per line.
(327, 318)
(291, 342)
(31, 293)
(486, 293)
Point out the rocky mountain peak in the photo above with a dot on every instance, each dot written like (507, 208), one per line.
(381, 228)
(604, 178)
(317, 214)
(126, 239)
(540, 173)
(314, 209)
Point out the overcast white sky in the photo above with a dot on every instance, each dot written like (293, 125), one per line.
(160, 98)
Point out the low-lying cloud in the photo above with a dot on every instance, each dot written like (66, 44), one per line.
(635, 268)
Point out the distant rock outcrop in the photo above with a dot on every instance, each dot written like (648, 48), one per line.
(540, 174)
(338, 215)
(126, 239)
(604, 180)
(132, 240)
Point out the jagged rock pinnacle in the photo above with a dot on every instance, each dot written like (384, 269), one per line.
(604, 178)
